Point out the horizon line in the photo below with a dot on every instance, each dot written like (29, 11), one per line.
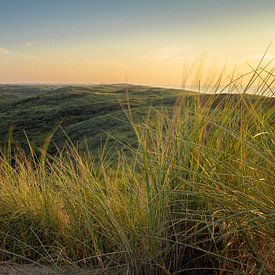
(87, 84)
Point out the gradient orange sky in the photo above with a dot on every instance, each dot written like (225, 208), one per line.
(146, 42)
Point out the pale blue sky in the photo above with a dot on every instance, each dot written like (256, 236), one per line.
(72, 32)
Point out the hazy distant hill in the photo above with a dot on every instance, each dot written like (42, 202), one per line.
(86, 112)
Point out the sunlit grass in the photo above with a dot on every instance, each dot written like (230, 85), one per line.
(196, 195)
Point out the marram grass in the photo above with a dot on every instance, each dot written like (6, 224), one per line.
(196, 196)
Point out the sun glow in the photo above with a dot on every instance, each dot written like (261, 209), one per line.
(152, 45)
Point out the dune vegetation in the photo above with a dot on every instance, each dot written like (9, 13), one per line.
(85, 112)
(194, 195)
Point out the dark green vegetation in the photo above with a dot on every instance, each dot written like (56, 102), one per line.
(196, 197)
(87, 114)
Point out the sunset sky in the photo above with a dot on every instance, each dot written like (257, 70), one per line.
(141, 41)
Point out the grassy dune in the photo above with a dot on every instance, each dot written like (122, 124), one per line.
(86, 113)
(197, 195)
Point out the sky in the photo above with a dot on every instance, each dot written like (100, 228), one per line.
(138, 41)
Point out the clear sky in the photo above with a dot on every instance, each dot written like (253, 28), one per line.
(143, 41)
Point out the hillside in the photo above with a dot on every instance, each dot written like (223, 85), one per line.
(86, 113)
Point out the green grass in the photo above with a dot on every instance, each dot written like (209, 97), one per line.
(86, 112)
(196, 196)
